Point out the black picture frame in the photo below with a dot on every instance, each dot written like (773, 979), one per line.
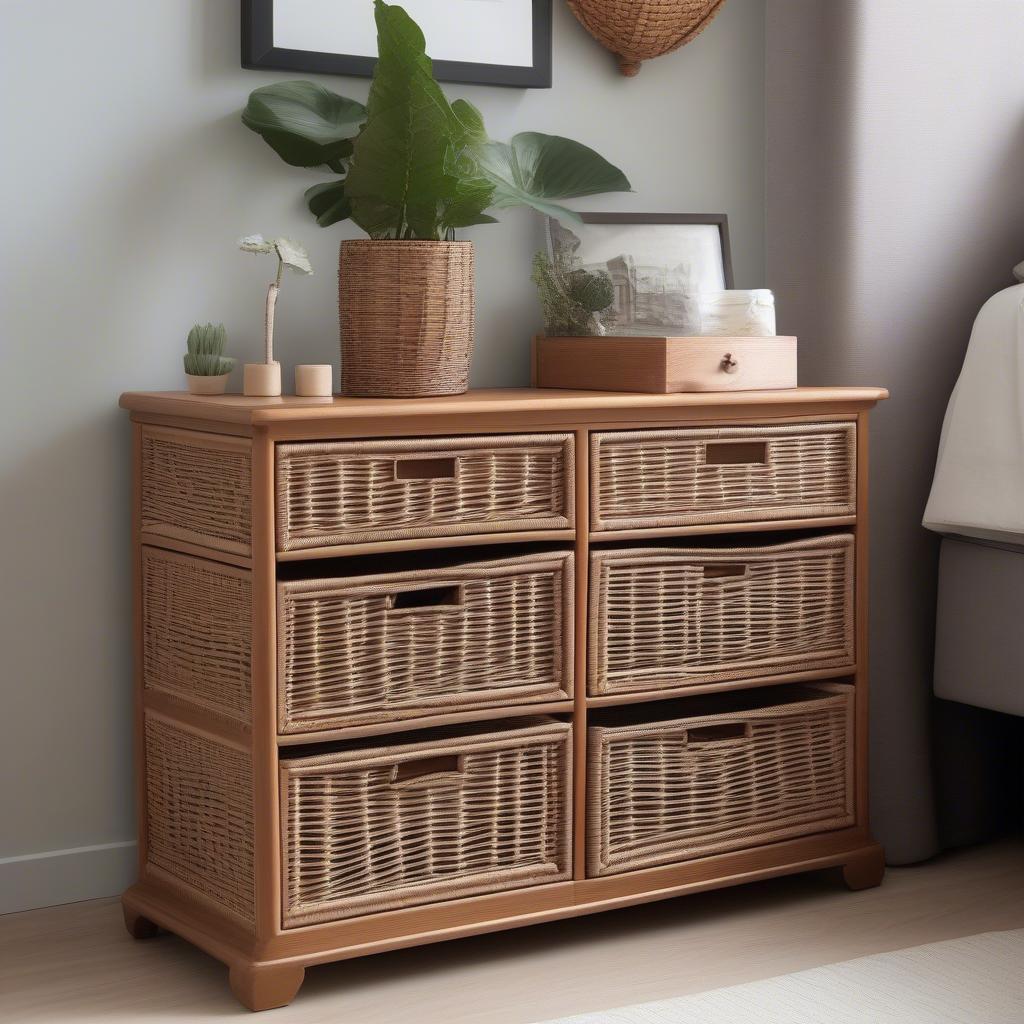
(260, 54)
(720, 219)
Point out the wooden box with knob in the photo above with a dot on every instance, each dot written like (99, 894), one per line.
(663, 365)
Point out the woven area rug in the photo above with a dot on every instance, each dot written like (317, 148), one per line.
(975, 980)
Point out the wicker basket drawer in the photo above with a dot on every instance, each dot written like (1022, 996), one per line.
(359, 491)
(663, 618)
(653, 478)
(378, 648)
(755, 767)
(459, 813)
(197, 488)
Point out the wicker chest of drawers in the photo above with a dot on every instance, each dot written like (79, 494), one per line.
(408, 671)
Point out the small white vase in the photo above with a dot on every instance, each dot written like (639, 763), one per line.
(314, 380)
(262, 380)
(199, 385)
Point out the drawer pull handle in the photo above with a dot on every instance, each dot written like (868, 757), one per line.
(727, 732)
(425, 598)
(724, 572)
(426, 469)
(445, 769)
(736, 453)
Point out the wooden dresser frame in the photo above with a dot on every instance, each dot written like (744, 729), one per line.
(267, 962)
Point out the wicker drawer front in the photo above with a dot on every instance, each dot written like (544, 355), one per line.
(667, 791)
(359, 491)
(197, 488)
(670, 617)
(378, 648)
(652, 478)
(197, 632)
(199, 827)
(381, 828)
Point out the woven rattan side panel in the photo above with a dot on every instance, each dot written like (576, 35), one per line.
(197, 488)
(357, 491)
(199, 814)
(669, 617)
(378, 648)
(683, 477)
(693, 787)
(197, 632)
(381, 828)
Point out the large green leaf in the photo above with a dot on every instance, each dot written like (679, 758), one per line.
(328, 203)
(534, 169)
(398, 181)
(306, 124)
(472, 192)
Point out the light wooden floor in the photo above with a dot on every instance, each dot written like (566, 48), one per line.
(76, 963)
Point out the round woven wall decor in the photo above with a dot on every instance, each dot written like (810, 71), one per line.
(637, 30)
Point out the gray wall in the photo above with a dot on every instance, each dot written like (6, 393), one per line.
(127, 179)
(894, 163)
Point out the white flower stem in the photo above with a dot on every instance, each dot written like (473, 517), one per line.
(269, 322)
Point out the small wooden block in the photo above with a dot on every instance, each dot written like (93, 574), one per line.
(663, 366)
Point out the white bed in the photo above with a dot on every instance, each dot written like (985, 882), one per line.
(977, 500)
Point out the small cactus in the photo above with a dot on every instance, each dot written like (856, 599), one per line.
(205, 347)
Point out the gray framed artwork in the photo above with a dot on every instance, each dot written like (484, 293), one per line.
(497, 42)
(658, 263)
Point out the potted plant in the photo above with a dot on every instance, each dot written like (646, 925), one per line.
(414, 169)
(574, 301)
(264, 379)
(206, 366)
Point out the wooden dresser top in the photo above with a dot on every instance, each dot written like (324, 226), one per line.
(290, 409)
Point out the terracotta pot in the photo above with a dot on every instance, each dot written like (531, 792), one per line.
(407, 316)
(199, 385)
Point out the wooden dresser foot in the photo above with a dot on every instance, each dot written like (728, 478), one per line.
(865, 870)
(266, 986)
(139, 927)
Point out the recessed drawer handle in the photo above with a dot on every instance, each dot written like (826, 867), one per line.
(425, 598)
(443, 770)
(426, 469)
(736, 453)
(719, 571)
(727, 732)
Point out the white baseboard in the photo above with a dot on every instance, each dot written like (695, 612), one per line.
(65, 876)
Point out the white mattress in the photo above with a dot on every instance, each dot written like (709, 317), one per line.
(978, 489)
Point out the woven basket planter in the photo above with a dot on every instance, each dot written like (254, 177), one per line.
(406, 314)
(637, 31)
(717, 774)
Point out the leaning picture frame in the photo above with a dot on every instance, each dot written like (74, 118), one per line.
(658, 264)
(503, 42)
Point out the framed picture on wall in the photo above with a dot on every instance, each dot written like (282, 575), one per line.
(658, 263)
(482, 42)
